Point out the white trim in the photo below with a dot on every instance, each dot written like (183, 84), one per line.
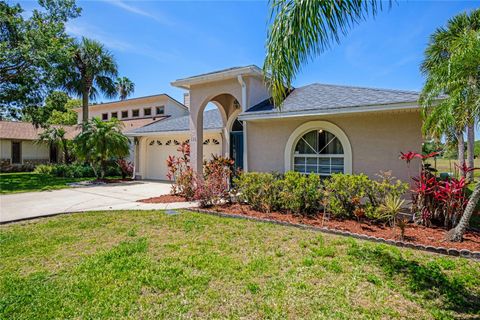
(280, 115)
(315, 125)
(215, 76)
(161, 133)
(245, 148)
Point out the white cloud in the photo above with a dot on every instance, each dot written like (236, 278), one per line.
(135, 10)
(92, 32)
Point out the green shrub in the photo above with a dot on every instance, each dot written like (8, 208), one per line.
(301, 193)
(345, 192)
(260, 190)
(44, 169)
(73, 171)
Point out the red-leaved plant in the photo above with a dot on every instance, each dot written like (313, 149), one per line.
(214, 187)
(437, 201)
(180, 173)
(126, 167)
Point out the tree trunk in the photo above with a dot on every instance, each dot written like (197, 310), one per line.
(470, 150)
(461, 150)
(456, 234)
(85, 107)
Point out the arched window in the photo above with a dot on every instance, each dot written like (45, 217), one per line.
(319, 151)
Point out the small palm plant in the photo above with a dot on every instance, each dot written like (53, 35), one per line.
(389, 210)
(55, 137)
(101, 141)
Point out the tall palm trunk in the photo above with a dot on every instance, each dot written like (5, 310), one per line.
(461, 150)
(456, 234)
(85, 107)
(470, 150)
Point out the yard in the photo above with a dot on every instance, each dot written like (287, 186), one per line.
(133, 264)
(28, 181)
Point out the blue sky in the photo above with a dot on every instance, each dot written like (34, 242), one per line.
(156, 42)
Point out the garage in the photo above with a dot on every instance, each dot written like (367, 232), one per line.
(158, 149)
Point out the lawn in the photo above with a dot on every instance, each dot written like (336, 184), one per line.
(28, 181)
(150, 265)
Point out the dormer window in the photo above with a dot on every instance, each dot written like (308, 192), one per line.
(135, 113)
(114, 115)
(147, 112)
(124, 114)
(160, 110)
(104, 116)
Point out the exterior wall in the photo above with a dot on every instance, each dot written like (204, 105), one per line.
(172, 108)
(32, 153)
(376, 139)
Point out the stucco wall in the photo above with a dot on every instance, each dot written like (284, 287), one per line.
(376, 140)
(171, 108)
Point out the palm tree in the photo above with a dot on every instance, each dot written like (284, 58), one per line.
(55, 137)
(451, 66)
(125, 87)
(101, 141)
(302, 29)
(91, 71)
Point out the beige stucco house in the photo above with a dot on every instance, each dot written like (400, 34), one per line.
(20, 149)
(318, 128)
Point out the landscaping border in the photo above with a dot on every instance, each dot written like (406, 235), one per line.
(464, 253)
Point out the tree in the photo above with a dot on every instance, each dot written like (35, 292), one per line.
(302, 29)
(90, 72)
(125, 87)
(452, 70)
(58, 109)
(55, 137)
(456, 234)
(101, 141)
(31, 49)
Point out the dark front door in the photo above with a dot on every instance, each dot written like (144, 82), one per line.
(53, 154)
(16, 152)
(236, 148)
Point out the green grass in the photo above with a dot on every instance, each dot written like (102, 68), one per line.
(28, 181)
(448, 165)
(149, 265)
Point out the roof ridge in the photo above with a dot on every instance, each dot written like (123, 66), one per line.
(361, 87)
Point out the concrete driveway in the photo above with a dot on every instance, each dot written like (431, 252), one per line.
(89, 198)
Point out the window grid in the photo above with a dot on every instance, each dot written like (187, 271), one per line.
(324, 165)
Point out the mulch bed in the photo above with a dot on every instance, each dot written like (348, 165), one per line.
(166, 198)
(433, 236)
(114, 180)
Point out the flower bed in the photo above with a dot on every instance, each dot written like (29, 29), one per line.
(166, 198)
(427, 236)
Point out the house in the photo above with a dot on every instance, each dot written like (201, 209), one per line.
(20, 149)
(318, 128)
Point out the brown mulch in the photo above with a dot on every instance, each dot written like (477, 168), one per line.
(166, 198)
(114, 180)
(432, 236)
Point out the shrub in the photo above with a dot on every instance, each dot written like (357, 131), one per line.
(300, 193)
(126, 168)
(181, 174)
(214, 186)
(260, 190)
(345, 193)
(43, 169)
(72, 171)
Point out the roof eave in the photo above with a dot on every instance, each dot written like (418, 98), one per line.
(161, 133)
(261, 115)
(188, 82)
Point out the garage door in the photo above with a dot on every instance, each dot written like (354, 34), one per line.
(158, 150)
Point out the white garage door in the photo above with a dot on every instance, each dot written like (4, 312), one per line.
(158, 150)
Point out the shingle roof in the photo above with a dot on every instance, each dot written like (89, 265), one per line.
(219, 71)
(26, 131)
(325, 96)
(132, 124)
(211, 120)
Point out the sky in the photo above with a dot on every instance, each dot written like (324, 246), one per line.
(157, 42)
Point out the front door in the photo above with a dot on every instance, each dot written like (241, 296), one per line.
(53, 154)
(236, 148)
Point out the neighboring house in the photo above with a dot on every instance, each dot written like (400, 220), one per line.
(137, 112)
(319, 128)
(20, 149)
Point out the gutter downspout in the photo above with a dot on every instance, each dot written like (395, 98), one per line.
(244, 108)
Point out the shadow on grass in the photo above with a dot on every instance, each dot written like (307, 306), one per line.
(423, 278)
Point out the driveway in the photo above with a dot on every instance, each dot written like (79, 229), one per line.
(90, 198)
